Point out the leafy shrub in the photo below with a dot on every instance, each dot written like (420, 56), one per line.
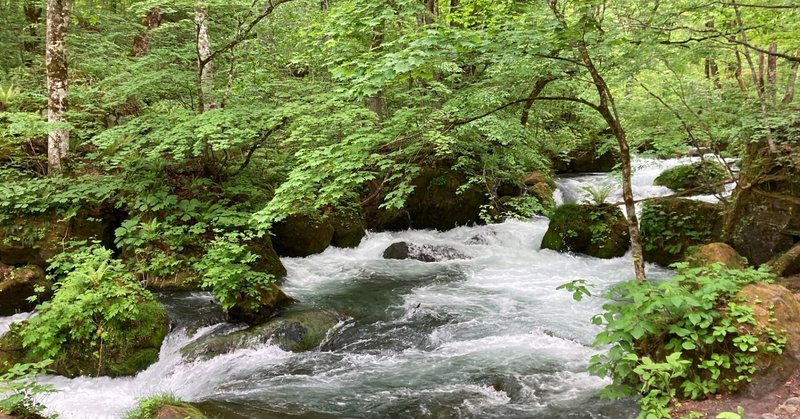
(226, 270)
(686, 337)
(94, 304)
(21, 391)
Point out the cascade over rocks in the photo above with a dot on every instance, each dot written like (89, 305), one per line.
(702, 177)
(17, 284)
(422, 253)
(433, 204)
(595, 230)
(128, 352)
(670, 226)
(296, 331)
(712, 253)
(301, 235)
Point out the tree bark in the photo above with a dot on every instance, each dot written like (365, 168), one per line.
(789, 97)
(56, 67)
(608, 110)
(205, 71)
(772, 73)
(150, 21)
(33, 17)
(538, 86)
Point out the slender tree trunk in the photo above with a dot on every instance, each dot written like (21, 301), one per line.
(712, 70)
(772, 73)
(205, 71)
(608, 109)
(33, 17)
(56, 66)
(150, 21)
(377, 102)
(760, 75)
(789, 96)
(538, 86)
(738, 74)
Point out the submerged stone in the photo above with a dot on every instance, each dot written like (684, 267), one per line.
(422, 253)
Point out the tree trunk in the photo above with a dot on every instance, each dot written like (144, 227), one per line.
(56, 66)
(205, 72)
(608, 109)
(738, 74)
(789, 97)
(150, 21)
(538, 86)
(33, 17)
(772, 72)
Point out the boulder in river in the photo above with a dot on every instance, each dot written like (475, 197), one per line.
(585, 159)
(595, 230)
(422, 252)
(705, 176)
(17, 284)
(349, 228)
(438, 201)
(302, 235)
(125, 352)
(670, 226)
(257, 309)
(296, 331)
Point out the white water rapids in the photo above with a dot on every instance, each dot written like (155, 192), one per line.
(486, 337)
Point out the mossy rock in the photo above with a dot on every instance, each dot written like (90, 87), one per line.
(595, 230)
(268, 260)
(709, 254)
(257, 310)
(17, 284)
(670, 226)
(125, 352)
(182, 411)
(302, 235)
(296, 331)
(438, 202)
(703, 177)
(349, 228)
(585, 159)
(774, 307)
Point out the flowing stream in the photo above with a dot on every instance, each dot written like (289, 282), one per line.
(483, 337)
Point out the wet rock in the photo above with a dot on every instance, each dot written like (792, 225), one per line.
(178, 412)
(533, 178)
(543, 192)
(17, 284)
(297, 331)
(787, 264)
(255, 310)
(702, 177)
(712, 253)
(595, 230)
(302, 235)
(437, 202)
(774, 307)
(481, 239)
(422, 253)
(349, 228)
(268, 260)
(585, 160)
(126, 352)
(670, 226)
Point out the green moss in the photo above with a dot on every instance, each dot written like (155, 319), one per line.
(167, 405)
(701, 177)
(595, 230)
(669, 227)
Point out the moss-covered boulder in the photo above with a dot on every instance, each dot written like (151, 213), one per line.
(595, 230)
(437, 202)
(776, 308)
(257, 309)
(302, 235)
(670, 226)
(164, 406)
(183, 411)
(700, 178)
(588, 158)
(17, 284)
(349, 227)
(32, 239)
(709, 254)
(295, 331)
(268, 260)
(126, 351)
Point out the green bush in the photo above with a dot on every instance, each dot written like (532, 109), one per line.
(687, 337)
(21, 392)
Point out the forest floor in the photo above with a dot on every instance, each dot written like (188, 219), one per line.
(770, 406)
